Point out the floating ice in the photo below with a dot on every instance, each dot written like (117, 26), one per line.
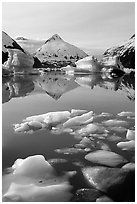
(105, 157)
(103, 135)
(130, 134)
(129, 166)
(126, 114)
(76, 112)
(118, 129)
(128, 145)
(23, 127)
(87, 142)
(34, 193)
(114, 138)
(34, 179)
(103, 146)
(55, 118)
(91, 129)
(115, 122)
(104, 199)
(88, 64)
(106, 178)
(37, 122)
(70, 150)
(79, 120)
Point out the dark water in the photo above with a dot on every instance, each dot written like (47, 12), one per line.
(24, 96)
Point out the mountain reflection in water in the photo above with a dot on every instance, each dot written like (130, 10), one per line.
(56, 84)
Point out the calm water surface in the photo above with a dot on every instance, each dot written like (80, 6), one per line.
(25, 96)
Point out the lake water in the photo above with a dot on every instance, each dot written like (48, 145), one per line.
(25, 96)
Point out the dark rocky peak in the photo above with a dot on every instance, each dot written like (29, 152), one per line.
(133, 36)
(53, 38)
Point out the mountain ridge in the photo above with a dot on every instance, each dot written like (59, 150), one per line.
(57, 52)
(126, 52)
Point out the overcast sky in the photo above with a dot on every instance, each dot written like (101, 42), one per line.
(84, 24)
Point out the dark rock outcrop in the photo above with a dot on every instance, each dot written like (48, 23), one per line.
(8, 43)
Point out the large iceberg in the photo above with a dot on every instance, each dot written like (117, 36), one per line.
(19, 61)
(88, 64)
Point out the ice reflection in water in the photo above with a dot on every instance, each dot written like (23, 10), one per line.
(103, 140)
(55, 84)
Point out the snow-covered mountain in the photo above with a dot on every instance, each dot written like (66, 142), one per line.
(126, 52)
(30, 45)
(56, 53)
(20, 38)
(14, 55)
(8, 43)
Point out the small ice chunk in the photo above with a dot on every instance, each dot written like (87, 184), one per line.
(105, 157)
(75, 112)
(78, 120)
(129, 166)
(91, 129)
(130, 134)
(115, 122)
(129, 145)
(22, 128)
(126, 114)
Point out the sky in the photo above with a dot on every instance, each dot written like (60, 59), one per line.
(87, 25)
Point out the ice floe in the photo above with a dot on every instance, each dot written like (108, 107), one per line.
(104, 199)
(126, 114)
(70, 150)
(127, 145)
(130, 134)
(105, 178)
(79, 120)
(91, 129)
(105, 157)
(118, 129)
(34, 179)
(129, 166)
(115, 122)
(75, 122)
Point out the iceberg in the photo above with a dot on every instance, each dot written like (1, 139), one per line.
(19, 61)
(89, 63)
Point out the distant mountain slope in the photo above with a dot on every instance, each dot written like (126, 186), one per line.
(8, 43)
(29, 45)
(56, 52)
(20, 38)
(126, 52)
